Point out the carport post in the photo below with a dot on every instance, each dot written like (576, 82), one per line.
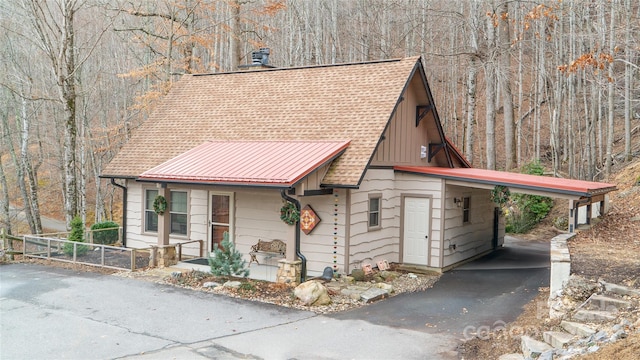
(572, 216)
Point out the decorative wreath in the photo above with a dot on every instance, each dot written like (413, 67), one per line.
(159, 205)
(500, 194)
(289, 213)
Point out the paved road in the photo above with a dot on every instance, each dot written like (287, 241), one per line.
(51, 313)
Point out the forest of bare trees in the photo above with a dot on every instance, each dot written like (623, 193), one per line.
(514, 81)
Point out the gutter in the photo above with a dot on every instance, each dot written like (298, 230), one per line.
(124, 210)
(303, 272)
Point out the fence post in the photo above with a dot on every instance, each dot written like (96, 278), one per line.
(102, 255)
(153, 257)
(133, 259)
(75, 251)
(201, 248)
(48, 248)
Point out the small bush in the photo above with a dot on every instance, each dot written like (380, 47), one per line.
(227, 261)
(105, 237)
(77, 235)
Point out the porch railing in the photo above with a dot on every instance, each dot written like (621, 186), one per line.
(181, 244)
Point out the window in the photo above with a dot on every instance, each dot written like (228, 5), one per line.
(466, 205)
(150, 217)
(178, 212)
(374, 212)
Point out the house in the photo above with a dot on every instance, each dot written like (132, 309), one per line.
(359, 147)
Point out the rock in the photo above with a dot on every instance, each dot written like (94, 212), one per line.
(312, 293)
(600, 336)
(389, 275)
(620, 334)
(210, 284)
(579, 289)
(378, 279)
(373, 294)
(349, 279)
(232, 284)
(385, 286)
(547, 355)
(593, 348)
(412, 276)
(532, 348)
(176, 274)
(358, 274)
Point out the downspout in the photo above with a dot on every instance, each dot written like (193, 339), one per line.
(124, 210)
(303, 272)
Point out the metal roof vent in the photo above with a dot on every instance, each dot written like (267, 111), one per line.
(260, 57)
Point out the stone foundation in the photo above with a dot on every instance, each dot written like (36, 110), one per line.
(289, 272)
(167, 256)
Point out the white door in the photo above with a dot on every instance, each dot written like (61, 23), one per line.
(417, 212)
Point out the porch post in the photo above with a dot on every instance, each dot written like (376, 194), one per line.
(164, 220)
(166, 252)
(589, 214)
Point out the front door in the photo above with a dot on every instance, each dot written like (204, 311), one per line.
(221, 220)
(417, 212)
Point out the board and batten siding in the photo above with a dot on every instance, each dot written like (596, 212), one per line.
(466, 240)
(418, 185)
(402, 139)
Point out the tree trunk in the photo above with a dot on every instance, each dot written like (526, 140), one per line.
(610, 95)
(490, 97)
(504, 78)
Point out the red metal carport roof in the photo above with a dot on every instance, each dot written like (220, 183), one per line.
(249, 163)
(514, 180)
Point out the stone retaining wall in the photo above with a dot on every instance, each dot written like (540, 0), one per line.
(560, 264)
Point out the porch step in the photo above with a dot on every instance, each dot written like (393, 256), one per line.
(532, 348)
(606, 303)
(557, 339)
(594, 316)
(576, 328)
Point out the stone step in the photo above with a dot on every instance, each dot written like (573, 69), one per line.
(606, 303)
(577, 328)
(619, 289)
(594, 316)
(557, 339)
(532, 348)
(374, 294)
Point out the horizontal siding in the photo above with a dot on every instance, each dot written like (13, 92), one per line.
(380, 244)
(412, 184)
(384, 243)
(318, 246)
(257, 217)
(474, 237)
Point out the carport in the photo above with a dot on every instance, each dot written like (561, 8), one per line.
(579, 193)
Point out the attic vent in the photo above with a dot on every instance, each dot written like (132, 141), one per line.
(260, 57)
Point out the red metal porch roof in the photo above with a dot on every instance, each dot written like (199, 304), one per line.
(514, 180)
(253, 163)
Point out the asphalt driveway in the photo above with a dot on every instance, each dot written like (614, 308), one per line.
(485, 293)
